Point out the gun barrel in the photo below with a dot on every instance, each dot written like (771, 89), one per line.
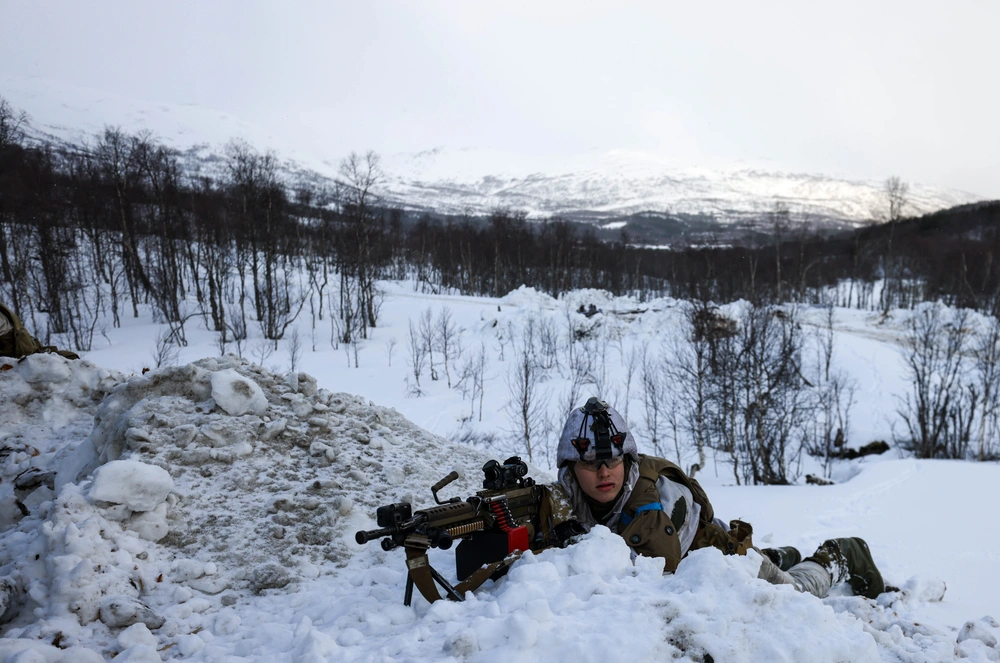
(363, 537)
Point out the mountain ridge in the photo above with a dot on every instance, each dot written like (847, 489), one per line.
(596, 186)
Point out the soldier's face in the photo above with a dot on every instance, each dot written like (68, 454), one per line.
(601, 484)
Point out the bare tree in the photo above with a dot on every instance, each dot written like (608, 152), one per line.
(939, 410)
(448, 339)
(687, 373)
(262, 350)
(548, 338)
(578, 376)
(428, 336)
(597, 349)
(12, 124)
(165, 352)
(835, 393)
(528, 404)
(653, 401)
(390, 348)
(757, 401)
(986, 360)
(360, 176)
(631, 361)
(294, 349)
(417, 350)
(779, 222)
(895, 194)
(237, 326)
(354, 348)
(472, 379)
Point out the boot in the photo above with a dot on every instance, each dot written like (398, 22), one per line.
(850, 560)
(784, 558)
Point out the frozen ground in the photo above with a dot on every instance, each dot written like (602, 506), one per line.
(206, 511)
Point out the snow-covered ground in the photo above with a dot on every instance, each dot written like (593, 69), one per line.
(206, 511)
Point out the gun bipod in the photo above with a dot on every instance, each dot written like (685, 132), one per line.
(423, 575)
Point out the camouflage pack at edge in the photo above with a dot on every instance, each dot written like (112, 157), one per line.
(17, 342)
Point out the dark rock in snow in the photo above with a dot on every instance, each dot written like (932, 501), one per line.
(269, 576)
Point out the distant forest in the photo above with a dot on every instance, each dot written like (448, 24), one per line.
(97, 230)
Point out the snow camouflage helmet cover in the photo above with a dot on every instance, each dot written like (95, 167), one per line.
(579, 419)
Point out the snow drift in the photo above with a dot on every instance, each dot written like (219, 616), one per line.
(209, 515)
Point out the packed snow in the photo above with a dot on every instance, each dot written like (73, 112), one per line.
(207, 511)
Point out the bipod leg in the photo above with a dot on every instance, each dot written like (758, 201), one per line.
(455, 596)
(408, 597)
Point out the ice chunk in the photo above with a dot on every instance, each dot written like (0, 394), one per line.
(136, 634)
(139, 486)
(925, 588)
(45, 368)
(120, 611)
(977, 631)
(189, 644)
(236, 394)
(138, 654)
(150, 525)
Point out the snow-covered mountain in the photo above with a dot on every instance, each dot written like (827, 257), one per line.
(617, 183)
(598, 186)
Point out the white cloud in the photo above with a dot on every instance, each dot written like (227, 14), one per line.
(856, 89)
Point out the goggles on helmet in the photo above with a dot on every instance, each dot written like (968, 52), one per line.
(594, 465)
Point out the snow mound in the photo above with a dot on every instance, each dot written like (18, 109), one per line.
(590, 602)
(47, 406)
(174, 509)
(178, 528)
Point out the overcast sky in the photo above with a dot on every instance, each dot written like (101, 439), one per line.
(856, 89)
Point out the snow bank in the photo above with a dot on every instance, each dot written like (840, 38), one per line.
(181, 529)
(47, 406)
(589, 602)
(174, 509)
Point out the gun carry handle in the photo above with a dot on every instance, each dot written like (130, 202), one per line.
(441, 484)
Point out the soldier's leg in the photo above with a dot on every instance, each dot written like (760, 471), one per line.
(784, 558)
(807, 576)
(850, 560)
(812, 578)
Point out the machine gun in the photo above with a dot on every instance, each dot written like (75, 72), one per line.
(495, 525)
